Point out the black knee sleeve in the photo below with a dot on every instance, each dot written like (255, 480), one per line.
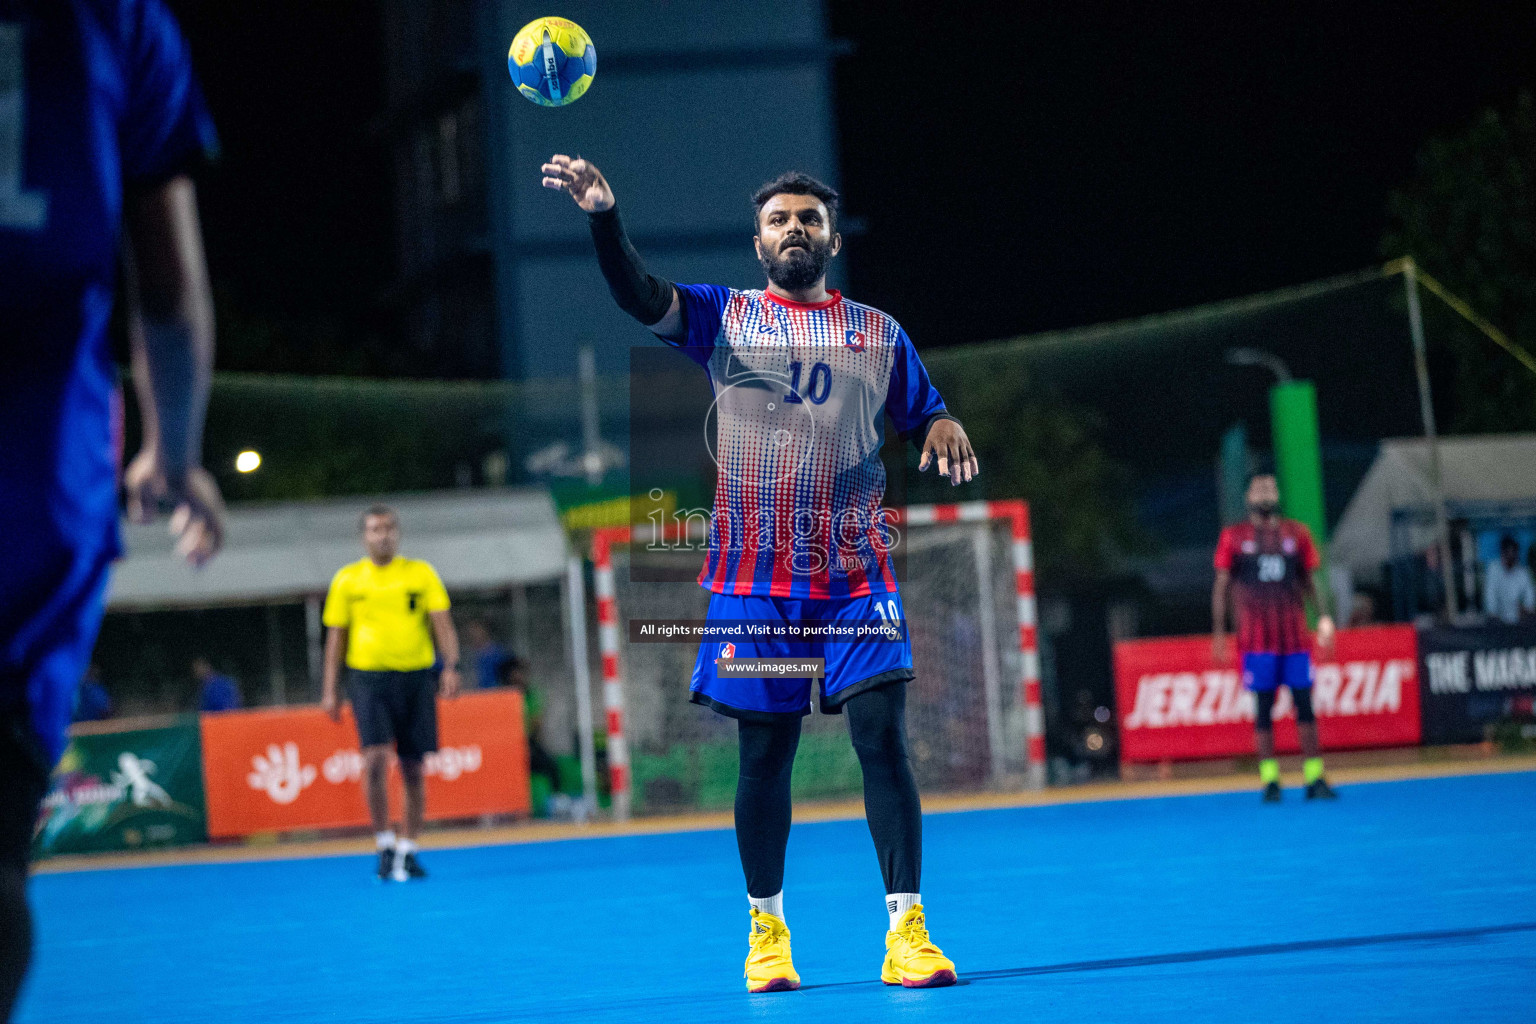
(768, 749)
(877, 722)
(878, 725)
(1303, 699)
(763, 807)
(1264, 711)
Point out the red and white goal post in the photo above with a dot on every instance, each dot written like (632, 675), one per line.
(1013, 511)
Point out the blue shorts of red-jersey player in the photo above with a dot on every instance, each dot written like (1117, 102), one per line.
(851, 667)
(1263, 672)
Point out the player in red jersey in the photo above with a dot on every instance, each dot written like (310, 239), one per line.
(1268, 565)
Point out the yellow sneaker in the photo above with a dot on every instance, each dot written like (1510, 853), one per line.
(768, 965)
(911, 959)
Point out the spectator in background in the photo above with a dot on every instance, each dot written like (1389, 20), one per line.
(512, 672)
(215, 690)
(486, 655)
(92, 702)
(1508, 593)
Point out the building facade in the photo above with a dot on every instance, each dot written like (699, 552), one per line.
(695, 104)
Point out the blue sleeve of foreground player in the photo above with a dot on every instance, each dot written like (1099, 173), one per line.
(703, 306)
(911, 398)
(165, 125)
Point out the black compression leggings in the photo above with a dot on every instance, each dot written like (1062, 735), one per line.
(877, 724)
(1264, 709)
(762, 802)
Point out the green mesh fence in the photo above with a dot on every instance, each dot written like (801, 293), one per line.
(327, 436)
(1158, 386)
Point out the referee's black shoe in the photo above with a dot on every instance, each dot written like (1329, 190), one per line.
(407, 868)
(1272, 792)
(1318, 789)
(386, 862)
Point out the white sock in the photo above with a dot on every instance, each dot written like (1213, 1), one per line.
(898, 903)
(384, 840)
(406, 846)
(769, 904)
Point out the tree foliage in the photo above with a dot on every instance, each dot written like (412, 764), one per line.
(1049, 452)
(1469, 218)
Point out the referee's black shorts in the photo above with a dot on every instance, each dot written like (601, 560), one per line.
(398, 707)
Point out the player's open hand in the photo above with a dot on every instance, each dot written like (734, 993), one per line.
(581, 179)
(449, 683)
(197, 507)
(331, 705)
(947, 444)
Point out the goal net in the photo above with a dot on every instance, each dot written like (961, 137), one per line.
(973, 712)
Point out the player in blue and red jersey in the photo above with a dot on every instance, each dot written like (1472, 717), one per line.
(100, 120)
(1268, 566)
(803, 378)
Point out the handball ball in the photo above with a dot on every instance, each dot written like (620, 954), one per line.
(552, 60)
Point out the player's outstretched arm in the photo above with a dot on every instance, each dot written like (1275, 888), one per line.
(170, 327)
(647, 298)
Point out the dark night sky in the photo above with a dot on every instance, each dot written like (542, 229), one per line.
(1018, 166)
(297, 211)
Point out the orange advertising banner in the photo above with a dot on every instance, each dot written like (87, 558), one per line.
(270, 770)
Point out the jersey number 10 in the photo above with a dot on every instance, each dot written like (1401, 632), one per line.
(816, 389)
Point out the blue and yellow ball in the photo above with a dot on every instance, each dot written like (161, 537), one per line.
(552, 60)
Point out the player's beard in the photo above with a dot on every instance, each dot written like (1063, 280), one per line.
(799, 267)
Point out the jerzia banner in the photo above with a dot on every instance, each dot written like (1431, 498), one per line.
(1474, 678)
(1176, 704)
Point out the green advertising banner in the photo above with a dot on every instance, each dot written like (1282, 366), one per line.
(126, 790)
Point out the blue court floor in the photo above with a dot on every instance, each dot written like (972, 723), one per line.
(1405, 901)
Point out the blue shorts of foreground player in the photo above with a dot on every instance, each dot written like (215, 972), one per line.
(51, 607)
(1262, 673)
(851, 668)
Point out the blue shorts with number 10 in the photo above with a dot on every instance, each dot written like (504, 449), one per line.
(851, 668)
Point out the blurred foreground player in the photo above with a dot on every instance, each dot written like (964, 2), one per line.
(803, 379)
(383, 613)
(100, 121)
(1269, 566)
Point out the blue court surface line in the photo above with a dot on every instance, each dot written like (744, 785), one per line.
(1403, 901)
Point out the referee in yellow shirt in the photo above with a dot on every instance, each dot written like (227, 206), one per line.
(384, 613)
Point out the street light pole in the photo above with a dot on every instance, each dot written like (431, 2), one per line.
(591, 428)
(1427, 414)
